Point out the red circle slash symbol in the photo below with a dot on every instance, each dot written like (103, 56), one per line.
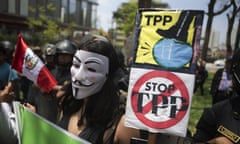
(159, 99)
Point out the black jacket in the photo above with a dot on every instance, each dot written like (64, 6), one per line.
(220, 120)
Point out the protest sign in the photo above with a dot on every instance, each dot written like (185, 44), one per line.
(34, 129)
(163, 70)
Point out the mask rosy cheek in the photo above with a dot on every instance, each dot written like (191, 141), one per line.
(92, 78)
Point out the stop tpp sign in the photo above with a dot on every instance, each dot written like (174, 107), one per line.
(159, 99)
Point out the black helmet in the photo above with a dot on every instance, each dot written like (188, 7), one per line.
(66, 47)
(235, 69)
(49, 49)
(6, 46)
(121, 57)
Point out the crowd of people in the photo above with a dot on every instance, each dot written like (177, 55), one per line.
(88, 100)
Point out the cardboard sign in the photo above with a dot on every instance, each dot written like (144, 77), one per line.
(159, 101)
(163, 70)
(168, 39)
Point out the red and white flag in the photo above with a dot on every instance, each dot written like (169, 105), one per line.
(31, 66)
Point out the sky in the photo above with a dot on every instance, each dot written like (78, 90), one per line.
(105, 10)
(106, 7)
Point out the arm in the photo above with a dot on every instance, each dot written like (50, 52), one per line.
(220, 140)
(7, 95)
(124, 134)
(206, 127)
(152, 138)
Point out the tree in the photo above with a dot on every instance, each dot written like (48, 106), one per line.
(231, 16)
(237, 42)
(45, 29)
(211, 13)
(125, 16)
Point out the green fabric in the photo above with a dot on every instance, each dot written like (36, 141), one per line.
(36, 130)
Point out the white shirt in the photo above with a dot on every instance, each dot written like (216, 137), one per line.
(8, 133)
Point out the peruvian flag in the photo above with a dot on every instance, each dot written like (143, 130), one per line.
(31, 66)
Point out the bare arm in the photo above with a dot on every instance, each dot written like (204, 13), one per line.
(220, 140)
(124, 134)
(7, 95)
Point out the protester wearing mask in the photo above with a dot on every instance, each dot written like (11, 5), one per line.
(90, 106)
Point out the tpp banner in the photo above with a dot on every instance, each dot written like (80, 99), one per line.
(168, 39)
(33, 129)
(163, 71)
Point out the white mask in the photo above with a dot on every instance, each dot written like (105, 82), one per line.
(89, 72)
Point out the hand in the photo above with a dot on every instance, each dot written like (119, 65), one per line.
(124, 134)
(30, 107)
(220, 140)
(59, 90)
(152, 138)
(7, 95)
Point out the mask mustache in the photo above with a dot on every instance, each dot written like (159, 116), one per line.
(79, 83)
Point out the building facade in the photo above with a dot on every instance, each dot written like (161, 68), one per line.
(14, 13)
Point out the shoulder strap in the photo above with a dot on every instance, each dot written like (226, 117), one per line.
(144, 134)
(64, 122)
(93, 134)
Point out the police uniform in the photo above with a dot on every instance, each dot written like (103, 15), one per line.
(64, 47)
(223, 119)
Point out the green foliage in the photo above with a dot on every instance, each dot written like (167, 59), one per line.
(46, 29)
(51, 7)
(125, 16)
(199, 103)
(43, 29)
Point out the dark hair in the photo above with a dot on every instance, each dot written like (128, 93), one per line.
(102, 107)
(101, 45)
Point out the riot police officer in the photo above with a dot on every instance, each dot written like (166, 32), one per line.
(45, 104)
(221, 123)
(65, 50)
(9, 49)
(49, 55)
